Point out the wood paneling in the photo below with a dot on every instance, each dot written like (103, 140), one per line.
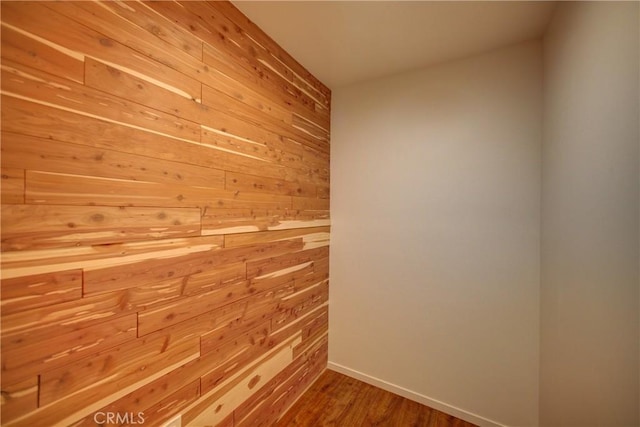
(165, 216)
(40, 290)
(27, 360)
(48, 155)
(46, 226)
(12, 185)
(19, 398)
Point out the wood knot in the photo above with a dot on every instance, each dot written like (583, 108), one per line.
(254, 381)
(97, 217)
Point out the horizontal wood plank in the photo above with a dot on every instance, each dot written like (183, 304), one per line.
(154, 402)
(40, 290)
(36, 20)
(158, 25)
(323, 191)
(44, 88)
(24, 361)
(221, 91)
(107, 371)
(310, 204)
(295, 305)
(25, 263)
(285, 283)
(225, 345)
(245, 182)
(59, 189)
(313, 324)
(238, 144)
(219, 101)
(159, 317)
(265, 406)
(173, 404)
(274, 266)
(223, 221)
(317, 133)
(19, 399)
(12, 185)
(135, 26)
(45, 188)
(47, 155)
(159, 292)
(19, 48)
(29, 327)
(218, 403)
(153, 270)
(19, 116)
(64, 226)
(286, 394)
(308, 235)
(233, 14)
(233, 354)
(275, 76)
(272, 154)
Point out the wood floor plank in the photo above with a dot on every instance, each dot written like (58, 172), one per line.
(338, 400)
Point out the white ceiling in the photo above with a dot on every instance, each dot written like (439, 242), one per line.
(343, 42)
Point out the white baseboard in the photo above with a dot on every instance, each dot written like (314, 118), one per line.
(417, 397)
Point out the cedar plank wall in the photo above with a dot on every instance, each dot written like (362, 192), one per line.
(165, 216)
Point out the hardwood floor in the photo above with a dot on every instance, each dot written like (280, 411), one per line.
(337, 400)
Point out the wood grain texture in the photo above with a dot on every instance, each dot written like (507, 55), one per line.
(165, 215)
(27, 360)
(19, 398)
(40, 290)
(48, 155)
(47, 226)
(12, 185)
(335, 399)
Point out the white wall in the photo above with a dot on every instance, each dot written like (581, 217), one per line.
(435, 203)
(590, 280)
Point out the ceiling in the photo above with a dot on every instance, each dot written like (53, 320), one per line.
(344, 42)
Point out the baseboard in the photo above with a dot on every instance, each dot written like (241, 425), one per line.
(417, 397)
